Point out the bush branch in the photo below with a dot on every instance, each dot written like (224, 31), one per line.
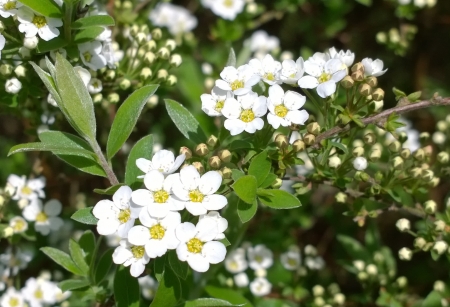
(104, 164)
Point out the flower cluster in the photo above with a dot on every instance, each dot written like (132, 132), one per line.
(177, 19)
(158, 209)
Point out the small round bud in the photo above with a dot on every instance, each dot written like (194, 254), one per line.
(395, 146)
(214, 162)
(397, 163)
(20, 71)
(402, 281)
(97, 98)
(110, 75)
(199, 167)
(358, 76)
(359, 265)
(318, 290)
(405, 153)
(360, 163)
(416, 172)
(309, 139)
(175, 60)
(186, 152)
(403, 225)
(162, 74)
(372, 269)
(358, 67)
(226, 172)
(375, 155)
(156, 34)
(370, 138)
(424, 137)
(163, 53)
(172, 80)
(439, 286)
(281, 141)
(427, 175)
(440, 247)
(171, 44)
(347, 82)
(298, 146)
(439, 138)
(125, 84)
(443, 157)
(212, 141)
(224, 155)
(141, 38)
(341, 197)
(153, 101)
(8, 232)
(365, 89)
(135, 28)
(434, 182)
(372, 81)
(430, 206)
(439, 225)
(150, 45)
(405, 254)
(378, 94)
(319, 302)
(378, 176)
(149, 58)
(144, 28)
(277, 183)
(6, 69)
(334, 162)
(442, 125)
(358, 151)
(201, 149)
(113, 98)
(146, 73)
(420, 242)
(313, 128)
(30, 42)
(362, 276)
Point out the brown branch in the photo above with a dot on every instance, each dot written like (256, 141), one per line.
(379, 118)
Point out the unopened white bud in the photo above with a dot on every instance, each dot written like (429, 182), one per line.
(319, 301)
(30, 42)
(405, 254)
(339, 298)
(439, 286)
(141, 38)
(125, 84)
(334, 162)
(241, 280)
(146, 73)
(402, 281)
(172, 80)
(13, 86)
(360, 163)
(261, 272)
(420, 242)
(318, 290)
(171, 44)
(162, 74)
(403, 225)
(372, 269)
(439, 138)
(439, 225)
(430, 206)
(252, 8)
(176, 60)
(440, 247)
(359, 265)
(442, 125)
(8, 232)
(51, 100)
(20, 71)
(164, 53)
(362, 276)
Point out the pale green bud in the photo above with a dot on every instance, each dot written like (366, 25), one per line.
(365, 90)
(369, 138)
(277, 183)
(372, 269)
(212, 141)
(172, 80)
(358, 67)
(424, 136)
(20, 71)
(334, 162)
(113, 98)
(358, 151)
(163, 53)
(318, 290)
(225, 155)
(226, 172)
(405, 153)
(298, 146)
(149, 58)
(201, 149)
(309, 139)
(378, 94)
(375, 155)
(141, 38)
(125, 84)
(214, 162)
(6, 69)
(358, 75)
(443, 157)
(134, 30)
(186, 152)
(420, 242)
(372, 81)
(430, 206)
(439, 286)
(341, 197)
(281, 141)
(442, 125)
(427, 175)
(395, 146)
(313, 128)
(162, 74)
(397, 163)
(439, 225)
(171, 44)
(199, 167)
(402, 282)
(419, 154)
(175, 60)
(146, 73)
(97, 98)
(156, 34)
(347, 82)
(362, 276)
(150, 45)
(110, 75)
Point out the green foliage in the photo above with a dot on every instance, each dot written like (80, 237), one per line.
(209, 302)
(245, 188)
(126, 288)
(229, 295)
(180, 268)
(247, 211)
(278, 199)
(47, 8)
(78, 256)
(109, 191)
(63, 260)
(260, 167)
(169, 290)
(85, 216)
(103, 267)
(92, 21)
(88, 34)
(73, 284)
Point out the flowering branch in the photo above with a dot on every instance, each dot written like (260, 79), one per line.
(380, 118)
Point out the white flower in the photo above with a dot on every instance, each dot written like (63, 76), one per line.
(32, 24)
(440, 247)
(111, 55)
(222, 223)
(198, 192)
(12, 298)
(314, 263)
(13, 86)
(91, 55)
(9, 8)
(113, 240)
(197, 246)
(291, 259)
(213, 103)
(292, 71)
(359, 265)
(45, 216)
(403, 225)
(373, 67)
(227, 9)
(323, 74)
(236, 262)
(18, 224)
(148, 286)
(405, 254)
(439, 138)
(117, 215)
(241, 280)
(59, 295)
(133, 256)
(260, 286)
(15, 260)
(244, 113)
(360, 163)
(156, 235)
(284, 108)
(176, 18)
(163, 161)
(84, 74)
(2, 44)
(95, 86)
(268, 69)
(347, 57)
(260, 257)
(261, 43)
(239, 81)
(38, 292)
(158, 199)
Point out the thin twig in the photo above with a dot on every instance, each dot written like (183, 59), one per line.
(104, 164)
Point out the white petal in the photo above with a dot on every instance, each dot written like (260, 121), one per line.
(298, 117)
(182, 252)
(146, 219)
(210, 182)
(154, 180)
(55, 222)
(215, 202)
(294, 100)
(121, 254)
(138, 235)
(231, 108)
(44, 229)
(178, 161)
(137, 268)
(275, 121)
(172, 220)
(123, 229)
(185, 232)
(189, 177)
(223, 85)
(155, 248)
(198, 263)
(141, 197)
(326, 89)
(144, 164)
(195, 208)
(122, 197)
(107, 226)
(235, 126)
(158, 210)
(206, 230)
(105, 208)
(214, 252)
(308, 82)
(339, 75)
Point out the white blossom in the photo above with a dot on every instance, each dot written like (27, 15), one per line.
(91, 55)
(292, 71)
(262, 43)
(222, 223)
(291, 259)
(360, 163)
(347, 57)
(227, 9)
(148, 286)
(212, 104)
(268, 69)
(259, 257)
(405, 254)
(38, 292)
(176, 18)
(13, 86)
(15, 260)
(33, 24)
(314, 263)
(373, 67)
(45, 217)
(95, 86)
(236, 262)
(403, 225)
(241, 280)
(133, 256)
(163, 161)
(29, 189)
(260, 286)
(18, 224)
(12, 298)
(9, 8)
(238, 80)
(440, 247)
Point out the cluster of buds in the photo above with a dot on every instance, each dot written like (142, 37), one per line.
(331, 296)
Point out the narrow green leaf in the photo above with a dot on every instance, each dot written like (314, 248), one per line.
(229, 295)
(47, 147)
(62, 259)
(75, 98)
(83, 164)
(88, 34)
(67, 141)
(78, 257)
(340, 146)
(185, 122)
(126, 118)
(354, 248)
(210, 302)
(49, 83)
(54, 44)
(225, 242)
(126, 288)
(91, 21)
(279, 199)
(73, 284)
(365, 2)
(181, 268)
(110, 190)
(245, 188)
(142, 149)
(47, 8)
(169, 290)
(85, 216)
(103, 267)
(87, 244)
(240, 144)
(159, 267)
(231, 58)
(246, 211)
(434, 299)
(260, 167)
(270, 179)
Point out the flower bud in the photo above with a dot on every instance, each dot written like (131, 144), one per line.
(150, 45)
(347, 82)
(186, 152)
(281, 141)
(369, 138)
(424, 137)
(442, 125)
(170, 44)
(376, 105)
(13, 86)
(341, 197)
(359, 265)
(427, 175)
(397, 163)
(375, 155)
(225, 155)
(319, 302)
(163, 53)
(110, 75)
(402, 282)
(214, 162)
(146, 73)
(360, 163)
(153, 101)
(172, 80)
(6, 69)
(372, 81)
(141, 38)
(405, 254)
(362, 276)
(277, 183)
(430, 206)
(125, 84)
(434, 182)
(439, 286)
(199, 167)
(144, 28)
(226, 172)
(439, 225)
(440, 247)
(156, 34)
(372, 269)
(405, 153)
(162, 74)
(416, 172)
(201, 149)
(334, 162)
(8, 232)
(339, 299)
(318, 290)
(309, 139)
(395, 146)
(403, 225)
(135, 28)
(358, 76)
(358, 67)
(97, 98)
(175, 60)
(378, 94)
(212, 141)
(365, 89)
(378, 176)
(20, 71)
(113, 98)
(439, 138)
(358, 151)
(298, 146)
(313, 128)
(149, 58)
(420, 242)
(30, 42)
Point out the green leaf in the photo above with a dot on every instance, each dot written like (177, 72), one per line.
(225, 242)
(278, 199)
(270, 179)
(47, 147)
(353, 248)
(73, 284)
(413, 97)
(110, 190)
(245, 188)
(434, 299)
(236, 174)
(181, 268)
(47, 8)
(231, 58)
(126, 118)
(49, 83)
(185, 121)
(103, 267)
(92, 21)
(169, 290)
(209, 302)
(240, 144)
(229, 295)
(159, 267)
(67, 142)
(142, 149)
(365, 2)
(85, 216)
(62, 259)
(83, 164)
(88, 34)
(75, 99)
(340, 146)
(54, 44)
(87, 244)
(126, 288)
(246, 211)
(260, 167)
(78, 257)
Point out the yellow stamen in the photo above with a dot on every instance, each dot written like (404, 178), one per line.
(196, 196)
(10, 5)
(41, 217)
(237, 84)
(160, 196)
(26, 190)
(157, 232)
(13, 302)
(138, 251)
(19, 225)
(219, 105)
(292, 261)
(247, 116)
(194, 245)
(324, 77)
(87, 56)
(281, 110)
(269, 76)
(38, 294)
(124, 216)
(39, 21)
(228, 3)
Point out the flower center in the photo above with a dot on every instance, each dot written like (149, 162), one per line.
(26, 190)
(234, 265)
(228, 3)
(13, 302)
(10, 5)
(237, 84)
(39, 21)
(87, 56)
(324, 77)
(219, 105)
(19, 225)
(41, 217)
(160, 196)
(194, 246)
(281, 110)
(38, 294)
(196, 196)
(138, 251)
(247, 116)
(269, 76)
(124, 216)
(259, 259)
(292, 261)
(157, 232)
